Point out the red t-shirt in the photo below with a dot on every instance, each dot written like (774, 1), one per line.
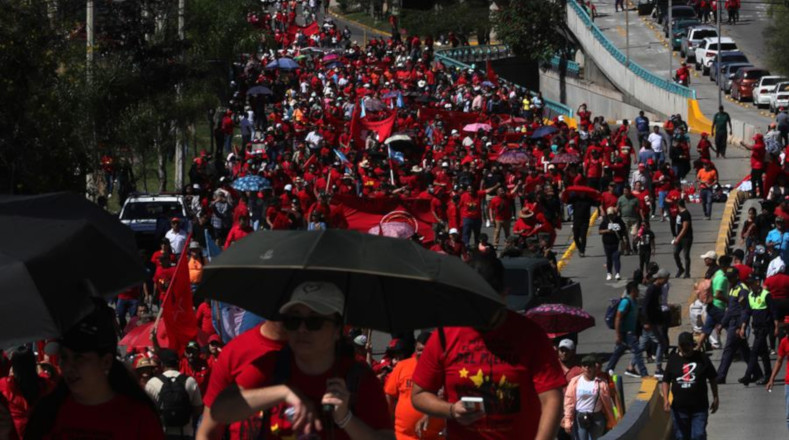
(470, 205)
(507, 372)
(501, 208)
(783, 351)
(778, 285)
(119, 419)
(608, 200)
(370, 404)
(131, 293)
(18, 406)
(757, 156)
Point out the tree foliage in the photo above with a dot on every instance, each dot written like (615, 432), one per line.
(470, 17)
(776, 40)
(531, 28)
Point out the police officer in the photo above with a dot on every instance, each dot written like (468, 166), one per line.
(738, 296)
(760, 311)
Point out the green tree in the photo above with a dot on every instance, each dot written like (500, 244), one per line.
(531, 28)
(776, 40)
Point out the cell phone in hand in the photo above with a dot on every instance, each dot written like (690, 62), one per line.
(473, 403)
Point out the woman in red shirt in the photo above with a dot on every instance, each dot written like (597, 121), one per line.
(758, 151)
(23, 388)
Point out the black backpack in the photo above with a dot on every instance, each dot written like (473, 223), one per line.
(174, 404)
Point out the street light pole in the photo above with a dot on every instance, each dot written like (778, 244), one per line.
(670, 51)
(720, 89)
(89, 39)
(627, 34)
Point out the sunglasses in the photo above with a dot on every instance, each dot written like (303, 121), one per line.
(312, 323)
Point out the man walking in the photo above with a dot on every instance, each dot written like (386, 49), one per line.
(687, 374)
(684, 239)
(628, 206)
(738, 295)
(652, 319)
(582, 207)
(658, 144)
(719, 123)
(782, 120)
(625, 330)
(760, 311)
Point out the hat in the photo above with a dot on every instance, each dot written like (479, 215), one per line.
(663, 273)
(567, 343)
(288, 187)
(589, 359)
(686, 339)
(758, 136)
(169, 358)
(710, 254)
(192, 345)
(95, 332)
(195, 245)
(143, 362)
(175, 220)
(642, 165)
(322, 297)
(416, 169)
(360, 340)
(214, 338)
(444, 164)
(732, 272)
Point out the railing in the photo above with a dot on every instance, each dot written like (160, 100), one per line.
(571, 67)
(457, 57)
(645, 74)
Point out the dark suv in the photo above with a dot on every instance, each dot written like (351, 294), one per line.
(531, 281)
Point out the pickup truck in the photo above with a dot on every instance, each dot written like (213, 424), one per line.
(708, 50)
(149, 215)
(530, 282)
(695, 35)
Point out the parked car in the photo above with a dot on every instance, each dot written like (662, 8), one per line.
(149, 215)
(727, 72)
(745, 80)
(780, 96)
(765, 87)
(680, 29)
(707, 51)
(691, 40)
(727, 57)
(531, 281)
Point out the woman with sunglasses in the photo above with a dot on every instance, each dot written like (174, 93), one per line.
(588, 407)
(308, 389)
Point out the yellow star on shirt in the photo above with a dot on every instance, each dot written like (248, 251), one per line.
(478, 378)
(463, 373)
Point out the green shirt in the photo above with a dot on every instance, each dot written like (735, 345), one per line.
(719, 283)
(720, 121)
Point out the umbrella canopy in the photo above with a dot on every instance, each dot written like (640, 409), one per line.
(251, 183)
(374, 105)
(60, 251)
(514, 157)
(259, 90)
(283, 63)
(573, 192)
(566, 158)
(477, 126)
(401, 142)
(561, 318)
(543, 131)
(331, 57)
(334, 64)
(138, 337)
(390, 284)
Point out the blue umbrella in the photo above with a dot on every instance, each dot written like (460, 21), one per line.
(283, 63)
(543, 131)
(251, 183)
(334, 64)
(259, 90)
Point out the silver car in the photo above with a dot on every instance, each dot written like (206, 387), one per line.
(690, 42)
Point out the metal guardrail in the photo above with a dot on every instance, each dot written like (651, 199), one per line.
(571, 67)
(459, 56)
(643, 73)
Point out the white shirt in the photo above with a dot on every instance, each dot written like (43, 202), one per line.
(656, 140)
(154, 387)
(586, 396)
(177, 240)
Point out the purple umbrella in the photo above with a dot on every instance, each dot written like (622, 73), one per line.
(514, 157)
(561, 318)
(566, 158)
(331, 57)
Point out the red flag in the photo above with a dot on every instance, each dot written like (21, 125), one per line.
(356, 126)
(362, 214)
(492, 77)
(178, 316)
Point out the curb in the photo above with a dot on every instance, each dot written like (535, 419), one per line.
(568, 254)
(360, 25)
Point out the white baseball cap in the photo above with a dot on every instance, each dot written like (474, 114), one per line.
(711, 255)
(321, 297)
(567, 343)
(288, 187)
(453, 231)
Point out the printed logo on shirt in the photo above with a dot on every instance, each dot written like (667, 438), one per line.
(688, 377)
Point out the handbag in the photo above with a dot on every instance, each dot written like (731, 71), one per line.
(586, 419)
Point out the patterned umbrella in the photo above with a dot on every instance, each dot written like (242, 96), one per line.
(477, 126)
(514, 157)
(566, 158)
(251, 183)
(543, 131)
(561, 318)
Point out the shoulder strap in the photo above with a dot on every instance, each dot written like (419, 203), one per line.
(181, 378)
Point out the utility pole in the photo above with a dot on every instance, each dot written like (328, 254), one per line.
(91, 179)
(180, 145)
(718, 17)
(670, 50)
(627, 33)
(89, 39)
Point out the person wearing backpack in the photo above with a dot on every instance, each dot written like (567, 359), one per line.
(625, 329)
(176, 396)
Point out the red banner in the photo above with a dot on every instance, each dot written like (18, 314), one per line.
(360, 127)
(178, 316)
(364, 214)
(452, 120)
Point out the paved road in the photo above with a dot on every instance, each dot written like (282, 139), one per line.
(648, 50)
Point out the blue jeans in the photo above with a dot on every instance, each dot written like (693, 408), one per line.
(630, 341)
(124, 306)
(594, 432)
(706, 201)
(656, 336)
(612, 258)
(471, 226)
(689, 425)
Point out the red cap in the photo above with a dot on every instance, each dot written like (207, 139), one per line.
(641, 165)
(757, 136)
(214, 338)
(704, 134)
(175, 219)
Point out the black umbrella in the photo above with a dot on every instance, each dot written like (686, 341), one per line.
(259, 90)
(59, 250)
(390, 284)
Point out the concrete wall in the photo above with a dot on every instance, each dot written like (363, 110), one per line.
(652, 97)
(645, 418)
(599, 99)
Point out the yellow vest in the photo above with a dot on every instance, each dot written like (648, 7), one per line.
(758, 302)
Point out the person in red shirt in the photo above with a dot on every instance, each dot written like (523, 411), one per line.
(165, 248)
(608, 199)
(127, 303)
(518, 378)
(23, 388)
(500, 210)
(758, 152)
(314, 376)
(162, 277)
(194, 366)
(471, 214)
(214, 350)
(238, 231)
(267, 338)
(205, 322)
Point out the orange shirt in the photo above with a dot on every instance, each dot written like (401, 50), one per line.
(398, 386)
(195, 271)
(707, 177)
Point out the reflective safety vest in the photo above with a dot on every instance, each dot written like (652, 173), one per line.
(758, 302)
(735, 291)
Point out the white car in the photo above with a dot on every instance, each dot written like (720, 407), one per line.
(764, 88)
(149, 215)
(708, 50)
(780, 96)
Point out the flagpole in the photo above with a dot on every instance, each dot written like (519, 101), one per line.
(391, 167)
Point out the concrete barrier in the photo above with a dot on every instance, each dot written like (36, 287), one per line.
(645, 419)
(727, 233)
